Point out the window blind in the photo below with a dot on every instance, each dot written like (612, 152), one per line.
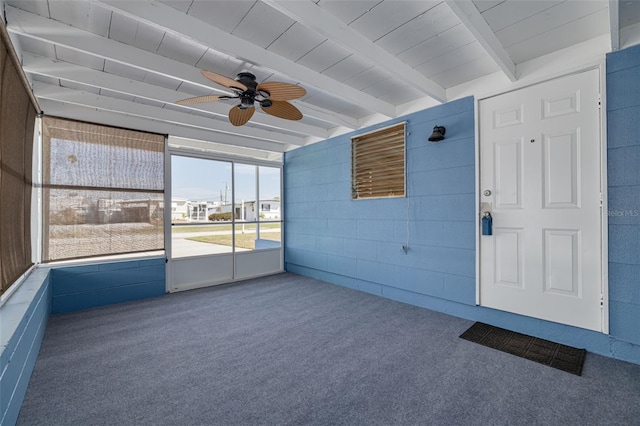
(103, 190)
(17, 121)
(378, 163)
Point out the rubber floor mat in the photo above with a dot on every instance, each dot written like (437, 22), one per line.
(562, 357)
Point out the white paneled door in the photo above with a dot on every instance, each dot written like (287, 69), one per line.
(540, 179)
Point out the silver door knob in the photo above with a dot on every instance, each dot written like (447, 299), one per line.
(486, 192)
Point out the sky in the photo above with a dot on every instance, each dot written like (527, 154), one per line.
(198, 179)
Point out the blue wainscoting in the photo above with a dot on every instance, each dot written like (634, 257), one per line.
(358, 243)
(88, 286)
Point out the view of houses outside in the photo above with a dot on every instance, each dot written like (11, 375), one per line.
(205, 197)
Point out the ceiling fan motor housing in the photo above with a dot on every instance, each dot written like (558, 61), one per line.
(246, 101)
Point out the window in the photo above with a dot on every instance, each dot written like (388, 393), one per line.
(266, 207)
(378, 163)
(17, 121)
(103, 190)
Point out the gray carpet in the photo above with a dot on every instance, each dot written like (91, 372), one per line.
(289, 350)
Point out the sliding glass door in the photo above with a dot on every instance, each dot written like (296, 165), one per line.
(226, 221)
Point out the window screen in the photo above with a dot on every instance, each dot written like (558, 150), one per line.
(103, 190)
(17, 121)
(378, 163)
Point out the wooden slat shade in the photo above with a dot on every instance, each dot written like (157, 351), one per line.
(378, 163)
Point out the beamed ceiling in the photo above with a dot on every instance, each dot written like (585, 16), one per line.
(126, 63)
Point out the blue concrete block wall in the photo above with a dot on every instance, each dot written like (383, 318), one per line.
(89, 286)
(358, 242)
(623, 162)
(23, 323)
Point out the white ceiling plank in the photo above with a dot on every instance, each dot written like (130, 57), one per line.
(321, 21)
(513, 11)
(467, 12)
(157, 14)
(434, 21)
(123, 29)
(347, 68)
(324, 56)
(348, 11)
(294, 43)
(563, 14)
(37, 27)
(89, 100)
(444, 42)
(50, 31)
(585, 28)
(79, 58)
(630, 36)
(92, 115)
(452, 59)
(81, 14)
(628, 13)
(614, 24)
(252, 28)
(224, 14)
(386, 16)
(483, 5)
(155, 94)
(55, 69)
(468, 71)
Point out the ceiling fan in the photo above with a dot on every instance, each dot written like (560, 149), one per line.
(272, 96)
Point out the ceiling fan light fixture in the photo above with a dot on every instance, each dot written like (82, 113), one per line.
(245, 102)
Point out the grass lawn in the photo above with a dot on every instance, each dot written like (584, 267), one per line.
(247, 241)
(222, 227)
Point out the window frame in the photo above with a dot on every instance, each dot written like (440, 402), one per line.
(355, 195)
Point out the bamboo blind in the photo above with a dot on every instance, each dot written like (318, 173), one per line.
(378, 163)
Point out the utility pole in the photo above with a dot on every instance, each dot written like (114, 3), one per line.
(226, 188)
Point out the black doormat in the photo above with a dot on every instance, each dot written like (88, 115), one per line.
(555, 355)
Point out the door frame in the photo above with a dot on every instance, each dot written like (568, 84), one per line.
(600, 65)
(214, 156)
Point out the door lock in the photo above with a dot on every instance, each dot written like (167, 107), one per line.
(486, 192)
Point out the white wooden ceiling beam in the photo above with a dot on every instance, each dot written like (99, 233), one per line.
(37, 27)
(91, 100)
(312, 16)
(76, 112)
(181, 143)
(48, 67)
(163, 16)
(614, 24)
(472, 19)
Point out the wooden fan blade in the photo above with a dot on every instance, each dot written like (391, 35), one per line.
(224, 81)
(201, 99)
(283, 109)
(279, 91)
(239, 117)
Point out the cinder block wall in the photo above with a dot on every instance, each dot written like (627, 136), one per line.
(623, 135)
(357, 243)
(88, 286)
